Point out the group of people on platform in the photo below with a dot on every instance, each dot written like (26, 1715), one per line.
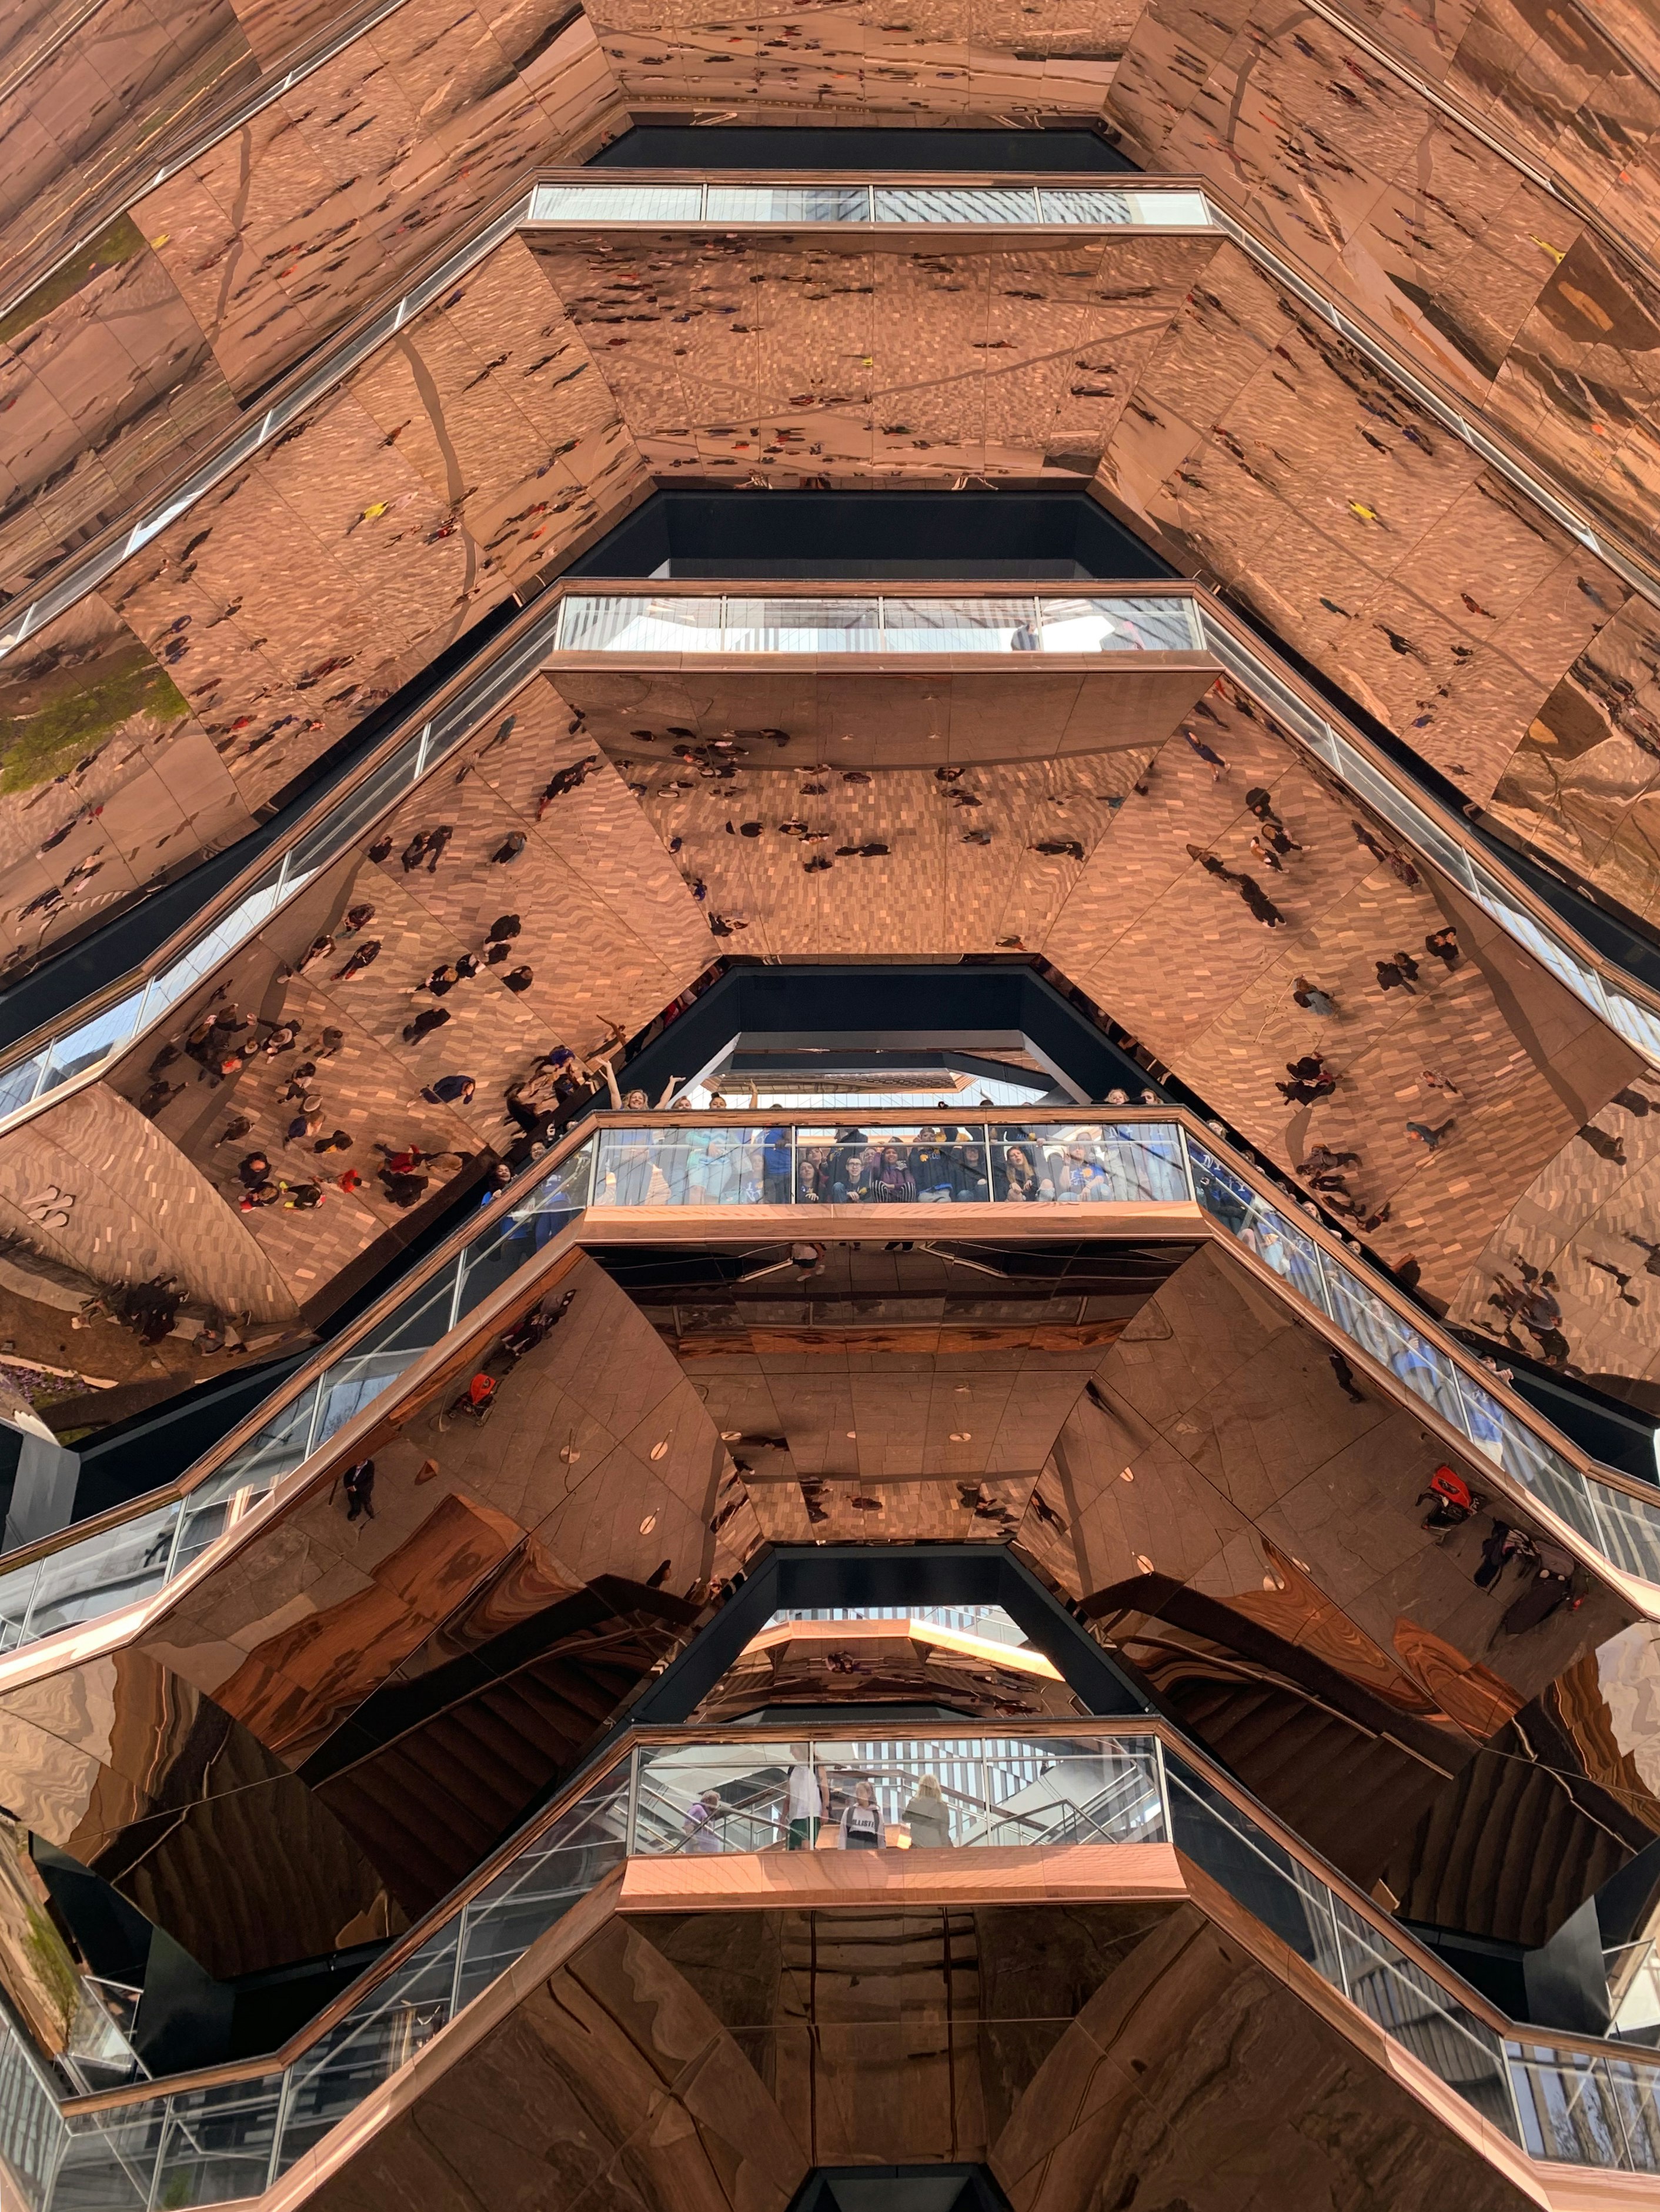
(812, 1803)
(943, 1162)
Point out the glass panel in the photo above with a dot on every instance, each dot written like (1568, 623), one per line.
(106, 1571)
(960, 625)
(1425, 1370)
(397, 2019)
(1253, 1868)
(1411, 2006)
(1566, 2110)
(218, 2143)
(617, 203)
(1117, 626)
(1551, 1478)
(1172, 210)
(931, 1163)
(108, 2160)
(701, 1165)
(16, 1594)
(803, 625)
(911, 1793)
(1088, 1161)
(1088, 203)
(94, 1040)
(281, 1446)
(1263, 1229)
(1484, 1417)
(1628, 1530)
(583, 1843)
(18, 1084)
(1633, 1021)
(1050, 1790)
(787, 204)
(1633, 2089)
(32, 2131)
(955, 203)
(516, 1237)
(619, 622)
(697, 1800)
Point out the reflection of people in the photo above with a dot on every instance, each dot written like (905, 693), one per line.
(804, 1801)
(863, 1828)
(698, 1827)
(928, 1817)
(358, 1487)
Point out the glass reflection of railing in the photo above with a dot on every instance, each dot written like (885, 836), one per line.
(692, 1160)
(677, 623)
(86, 1046)
(1395, 802)
(700, 1795)
(1024, 207)
(1119, 1161)
(117, 1565)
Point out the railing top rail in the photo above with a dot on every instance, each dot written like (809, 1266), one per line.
(618, 1751)
(585, 1228)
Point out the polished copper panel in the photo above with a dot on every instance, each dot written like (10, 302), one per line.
(1075, 2046)
(1300, 1569)
(818, 1663)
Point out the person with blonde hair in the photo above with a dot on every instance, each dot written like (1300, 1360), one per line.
(927, 1816)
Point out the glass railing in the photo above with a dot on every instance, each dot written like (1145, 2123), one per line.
(1430, 833)
(688, 1160)
(1177, 207)
(701, 1794)
(117, 1565)
(1025, 207)
(617, 622)
(646, 621)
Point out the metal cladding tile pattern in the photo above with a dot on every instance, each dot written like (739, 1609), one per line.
(133, 355)
(1252, 1479)
(1494, 283)
(1085, 2041)
(76, 108)
(831, 358)
(509, 420)
(1588, 1220)
(342, 184)
(112, 780)
(953, 60)
(107, 1201)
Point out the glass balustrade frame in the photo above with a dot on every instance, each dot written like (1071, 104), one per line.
(655, 1793)
(613, 1163)
(1077, 620)
(46, 1066)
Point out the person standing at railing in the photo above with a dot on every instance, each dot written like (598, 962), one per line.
(863, 1828)
(804, 1799)
(927, 1816)
(699, 1827)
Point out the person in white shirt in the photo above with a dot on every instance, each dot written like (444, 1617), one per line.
(863, 1828)
(804, 1799)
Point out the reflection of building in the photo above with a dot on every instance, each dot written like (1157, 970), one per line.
(1022, 1572)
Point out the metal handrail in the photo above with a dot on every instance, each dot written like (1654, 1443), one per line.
(338, 356)
(1610, 1520)
(117, 1017)
(1173, 1773)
